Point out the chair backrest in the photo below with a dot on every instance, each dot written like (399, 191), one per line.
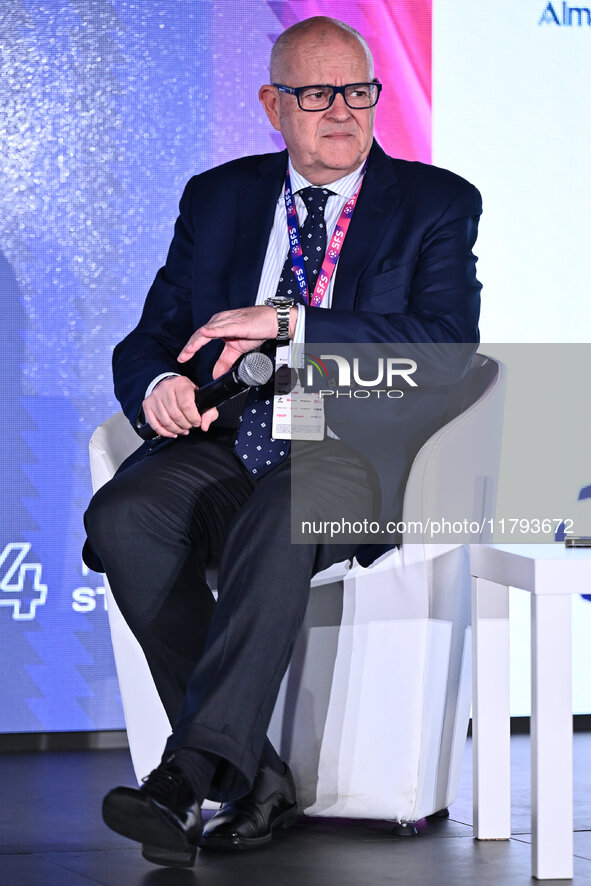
(454, 475)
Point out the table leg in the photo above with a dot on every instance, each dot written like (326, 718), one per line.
(551, 737)
(490, 710)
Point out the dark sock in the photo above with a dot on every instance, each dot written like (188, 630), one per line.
(199, 767)
(270, 757)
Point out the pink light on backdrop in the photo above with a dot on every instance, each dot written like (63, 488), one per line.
(399, 35)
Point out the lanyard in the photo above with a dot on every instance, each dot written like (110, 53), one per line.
(332, 253)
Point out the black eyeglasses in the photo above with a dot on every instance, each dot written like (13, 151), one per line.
(318, 98)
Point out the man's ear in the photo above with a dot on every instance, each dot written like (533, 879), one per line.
(269, 98)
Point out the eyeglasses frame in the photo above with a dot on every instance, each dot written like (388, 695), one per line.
(337, 90)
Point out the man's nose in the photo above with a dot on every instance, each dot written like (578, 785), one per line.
(339, 108)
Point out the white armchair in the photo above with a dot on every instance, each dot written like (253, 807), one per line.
(373, 711)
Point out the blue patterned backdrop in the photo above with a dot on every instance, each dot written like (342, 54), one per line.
(106, 109)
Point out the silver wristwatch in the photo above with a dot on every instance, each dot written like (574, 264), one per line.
(282, 305)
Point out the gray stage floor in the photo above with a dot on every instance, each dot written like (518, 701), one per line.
(51, 834)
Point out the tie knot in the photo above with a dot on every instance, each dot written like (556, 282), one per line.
(315, 199)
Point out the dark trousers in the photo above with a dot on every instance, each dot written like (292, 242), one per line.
(158, 524)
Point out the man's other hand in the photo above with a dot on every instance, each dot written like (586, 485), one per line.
(170, 410)
(242, 330)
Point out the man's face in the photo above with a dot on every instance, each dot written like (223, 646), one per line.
(324, 145)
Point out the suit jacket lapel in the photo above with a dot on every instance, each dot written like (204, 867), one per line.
(373, 217)
(256, 211)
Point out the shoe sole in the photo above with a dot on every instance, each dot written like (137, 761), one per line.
(168, 858)
(235, 844)
(144, 822)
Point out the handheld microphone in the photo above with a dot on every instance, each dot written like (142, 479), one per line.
(250, 370)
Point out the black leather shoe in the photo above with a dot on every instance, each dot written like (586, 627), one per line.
(162, 814)
(250, 821)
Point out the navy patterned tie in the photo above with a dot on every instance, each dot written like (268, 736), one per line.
(256, 447)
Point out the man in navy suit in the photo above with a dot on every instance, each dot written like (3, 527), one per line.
(405, 273)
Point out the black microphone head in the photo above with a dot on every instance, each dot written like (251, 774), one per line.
(255, 369)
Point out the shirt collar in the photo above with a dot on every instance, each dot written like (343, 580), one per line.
(343, 187)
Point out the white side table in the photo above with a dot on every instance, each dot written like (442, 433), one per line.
(551, 573)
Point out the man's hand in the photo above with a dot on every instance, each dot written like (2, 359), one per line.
(170, 409)
(242, 329)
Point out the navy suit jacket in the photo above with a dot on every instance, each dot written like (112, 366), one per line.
(406, 274)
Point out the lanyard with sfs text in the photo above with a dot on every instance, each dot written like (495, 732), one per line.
(332, 253)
